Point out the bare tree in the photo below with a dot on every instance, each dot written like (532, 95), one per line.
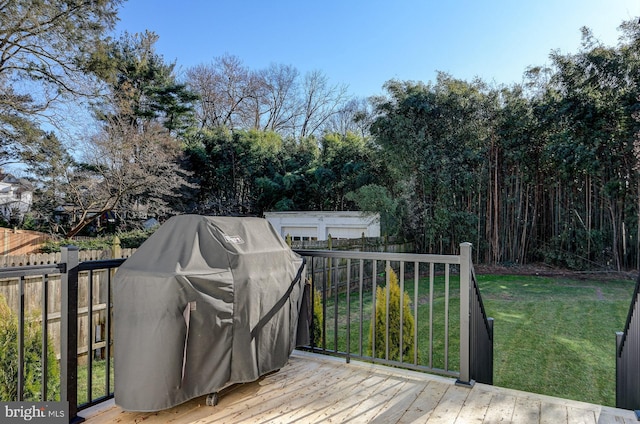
(225, 88)
(273, 98)
(320, 101)
(279, 94)
(201, 80)
(354, 116)
(125, 170)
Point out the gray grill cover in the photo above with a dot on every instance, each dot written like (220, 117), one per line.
(204, 303)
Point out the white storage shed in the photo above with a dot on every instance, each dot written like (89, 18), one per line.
(308, 225)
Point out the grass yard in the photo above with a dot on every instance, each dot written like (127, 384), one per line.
(556, 336)
(437, 359)
(553, 336)
(98, 379)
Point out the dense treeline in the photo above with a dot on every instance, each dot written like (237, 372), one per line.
(248, 172)
(544, 171)
(547, 170)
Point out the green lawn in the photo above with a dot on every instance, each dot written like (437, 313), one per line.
(438, 329)
(98, 380)
(553, 336)
(556, 336)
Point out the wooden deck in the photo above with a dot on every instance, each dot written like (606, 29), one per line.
(319, 389)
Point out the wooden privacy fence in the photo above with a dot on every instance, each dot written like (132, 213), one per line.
(54, 258)
(21, 242)
(363, 244)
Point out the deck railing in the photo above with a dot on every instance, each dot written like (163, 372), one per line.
(456, 342)
(72, 296)
(75, 299)
(628, 358)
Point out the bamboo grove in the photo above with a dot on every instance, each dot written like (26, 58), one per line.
(545, 171)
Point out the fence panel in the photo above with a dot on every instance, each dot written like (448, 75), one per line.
(54, 258)
(21, 242)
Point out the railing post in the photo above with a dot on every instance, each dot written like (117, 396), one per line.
(465, 334)
(490, 322)
(329, 264)
(627, 381)
(69, 332)
(620, 371)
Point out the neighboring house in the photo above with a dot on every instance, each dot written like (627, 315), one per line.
(318, 225)
(16, 196)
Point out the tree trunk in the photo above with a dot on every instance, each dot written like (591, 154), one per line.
(495, 244)
(637, 264)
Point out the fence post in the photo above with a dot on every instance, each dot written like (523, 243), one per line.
(116, 250)
(69, 331)
(465, 311)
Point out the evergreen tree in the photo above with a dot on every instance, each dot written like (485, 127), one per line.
(391, 316)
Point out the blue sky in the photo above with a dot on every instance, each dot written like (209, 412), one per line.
(364, 43)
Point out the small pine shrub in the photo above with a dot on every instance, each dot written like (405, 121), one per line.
(394, 322)
(316, 335)
(32, 359)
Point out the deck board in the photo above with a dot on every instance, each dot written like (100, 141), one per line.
(450, 405)
(421, 409)
(578, 416)
(552, 414)
(395, 408)
(318, 389)
(526, 410)
(475, 407)
(501, 408)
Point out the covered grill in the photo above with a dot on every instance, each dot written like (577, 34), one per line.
(204, 303)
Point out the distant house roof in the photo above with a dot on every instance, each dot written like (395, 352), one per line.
(22, 183)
